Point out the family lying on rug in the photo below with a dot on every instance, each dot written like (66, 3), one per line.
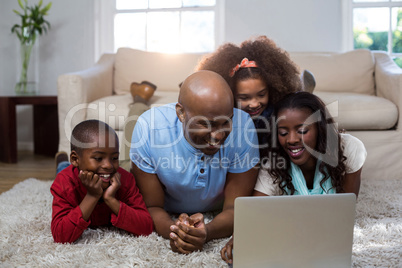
(199, 154)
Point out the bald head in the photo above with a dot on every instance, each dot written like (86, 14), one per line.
(205, 109)
(205, 90)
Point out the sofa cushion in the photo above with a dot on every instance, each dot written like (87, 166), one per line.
(339, 72)
(359, 111)
(114, 109)
(166, 71)
(350, 110)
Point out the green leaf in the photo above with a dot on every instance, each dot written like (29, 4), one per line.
(47, 7)
(32, 21)
(14, 28)
(21, 5)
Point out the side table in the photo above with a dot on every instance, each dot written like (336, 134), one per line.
(45, 124)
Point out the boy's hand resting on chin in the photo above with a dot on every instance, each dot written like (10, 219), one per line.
(115, 184)
(92, 183)
(188, 234)
(97, 188)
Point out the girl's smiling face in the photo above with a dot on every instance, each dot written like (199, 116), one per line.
(252, 96)
(296, 131)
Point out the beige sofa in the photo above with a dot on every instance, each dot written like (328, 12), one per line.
(362, 90)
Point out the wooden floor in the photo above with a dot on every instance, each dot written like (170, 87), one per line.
(28, 166)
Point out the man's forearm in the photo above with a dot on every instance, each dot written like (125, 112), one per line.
(162, 221)
(221, 226)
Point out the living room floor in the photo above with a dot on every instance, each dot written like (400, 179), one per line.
(28, 166)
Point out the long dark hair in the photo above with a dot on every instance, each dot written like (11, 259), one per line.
(328, 145)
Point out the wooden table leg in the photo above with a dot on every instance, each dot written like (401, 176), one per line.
(8, 131)
(46, 129)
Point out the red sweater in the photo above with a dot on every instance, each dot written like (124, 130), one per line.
(68, 192)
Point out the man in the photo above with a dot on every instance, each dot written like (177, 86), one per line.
(195, 156)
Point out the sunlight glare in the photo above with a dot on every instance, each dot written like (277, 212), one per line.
(129, 30)
(163, 32)
(375, 19)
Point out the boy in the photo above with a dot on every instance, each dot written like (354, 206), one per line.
(94, 191)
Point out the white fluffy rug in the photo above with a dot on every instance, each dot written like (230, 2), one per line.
(26, 240)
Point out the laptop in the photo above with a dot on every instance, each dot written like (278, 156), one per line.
(294, 231)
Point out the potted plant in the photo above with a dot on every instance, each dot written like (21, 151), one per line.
(32, 25)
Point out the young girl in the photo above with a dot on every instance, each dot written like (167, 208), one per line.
(259, 74)
(311, 156)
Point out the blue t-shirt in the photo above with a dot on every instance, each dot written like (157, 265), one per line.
(193, 182)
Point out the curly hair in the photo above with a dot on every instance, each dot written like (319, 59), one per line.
(275, 67)
(333, 166)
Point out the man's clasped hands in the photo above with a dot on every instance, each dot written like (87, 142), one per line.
(188, 234)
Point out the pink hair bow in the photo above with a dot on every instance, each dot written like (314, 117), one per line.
(245, 63)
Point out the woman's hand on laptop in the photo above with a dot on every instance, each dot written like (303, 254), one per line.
(188, 234)
(226, 251)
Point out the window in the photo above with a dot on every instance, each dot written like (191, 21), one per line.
(377, 25)
(171, 26)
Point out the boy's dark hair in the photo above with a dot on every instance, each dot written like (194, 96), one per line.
(84, 134)
(328, 135)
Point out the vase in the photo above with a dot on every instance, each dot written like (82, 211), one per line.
(27, 83)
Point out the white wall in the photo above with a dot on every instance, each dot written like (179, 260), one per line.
(296, 25)
(67, 47)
